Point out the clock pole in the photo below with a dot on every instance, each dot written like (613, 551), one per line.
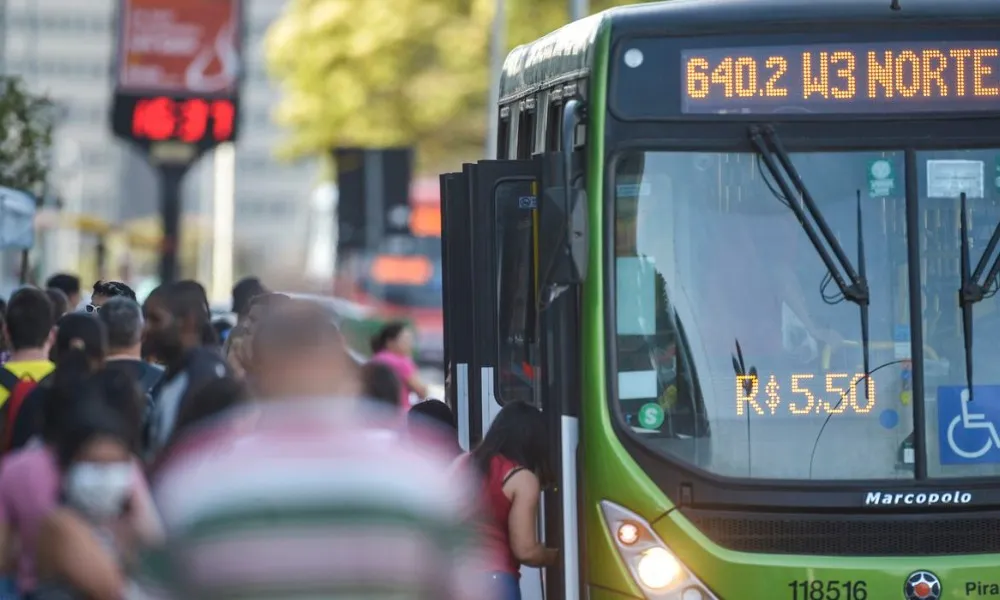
(171, 177)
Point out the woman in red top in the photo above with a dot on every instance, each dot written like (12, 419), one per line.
(510, 460)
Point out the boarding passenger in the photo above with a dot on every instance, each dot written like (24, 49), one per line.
(512, 461)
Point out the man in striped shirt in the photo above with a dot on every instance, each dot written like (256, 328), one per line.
(307, 497)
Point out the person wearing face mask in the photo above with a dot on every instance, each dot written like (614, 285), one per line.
(81, 553)
(31, 478)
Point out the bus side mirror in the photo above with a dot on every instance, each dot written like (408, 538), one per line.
(563, 229)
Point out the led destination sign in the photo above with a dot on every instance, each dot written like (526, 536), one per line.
(842, 78)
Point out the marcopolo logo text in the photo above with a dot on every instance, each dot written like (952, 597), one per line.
(916, 498)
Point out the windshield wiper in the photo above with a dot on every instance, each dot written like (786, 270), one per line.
(974, 288)
(852, 283)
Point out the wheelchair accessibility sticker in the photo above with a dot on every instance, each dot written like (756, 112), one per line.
(968, 430)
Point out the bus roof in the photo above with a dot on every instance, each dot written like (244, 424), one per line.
(567, 54)
(564, 55)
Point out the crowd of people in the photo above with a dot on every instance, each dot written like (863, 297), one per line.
(149, 452)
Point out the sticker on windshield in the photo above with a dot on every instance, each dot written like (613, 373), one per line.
(949, 178)
(651, 416)
(996, 183)
(968, 429)
(881, 178)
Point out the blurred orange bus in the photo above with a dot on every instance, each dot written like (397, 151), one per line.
(403, 278)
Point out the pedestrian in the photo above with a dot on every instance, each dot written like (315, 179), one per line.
(434, 418)
(86, 542)
(60, 303)
(30, 487)
(297, 352)
(363, 515)
(67, 284)
(106, 290)
(393, 346)
(512, 460)
(122, 317)
(176, 316)
(81, 346)
(244, 292)
(381, 383)
(30, 326)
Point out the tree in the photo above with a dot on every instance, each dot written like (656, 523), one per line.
(26, 124)
(378, 73)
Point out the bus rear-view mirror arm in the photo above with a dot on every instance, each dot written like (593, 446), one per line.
(564, 210)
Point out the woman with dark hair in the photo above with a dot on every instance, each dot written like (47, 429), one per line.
(79, 553)
(511, 460)
(393, 347)
(80, 349)
(31, 478)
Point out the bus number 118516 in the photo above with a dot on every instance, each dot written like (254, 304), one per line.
(833, 589)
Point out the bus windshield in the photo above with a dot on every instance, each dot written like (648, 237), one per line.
(738, 355)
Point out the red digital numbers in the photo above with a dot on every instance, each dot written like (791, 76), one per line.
(223, 116)
(161, 119)
(154, 119)
(194, 120)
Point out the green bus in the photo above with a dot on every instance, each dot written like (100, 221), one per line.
(743, 254)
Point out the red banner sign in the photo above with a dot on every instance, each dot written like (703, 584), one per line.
(179, 47)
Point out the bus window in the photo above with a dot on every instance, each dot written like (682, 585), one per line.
(526, 134)
(553, 141)
(516, 294)
(503, 137)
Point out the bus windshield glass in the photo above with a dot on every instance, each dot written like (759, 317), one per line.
(737, 354)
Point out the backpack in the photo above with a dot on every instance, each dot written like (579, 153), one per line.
(18, 389)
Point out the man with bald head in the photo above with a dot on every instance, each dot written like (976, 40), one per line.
(299, 352)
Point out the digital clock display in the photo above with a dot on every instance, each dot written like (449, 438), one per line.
(842, 78)
(200, 122)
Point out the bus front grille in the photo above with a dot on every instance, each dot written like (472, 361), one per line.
(850, 535)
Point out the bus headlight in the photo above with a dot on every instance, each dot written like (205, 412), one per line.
(659, 573)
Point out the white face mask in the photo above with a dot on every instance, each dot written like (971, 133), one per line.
(99, 489)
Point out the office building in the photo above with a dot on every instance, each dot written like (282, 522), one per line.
(65, 48)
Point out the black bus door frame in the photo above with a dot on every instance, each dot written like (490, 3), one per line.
(470, 257)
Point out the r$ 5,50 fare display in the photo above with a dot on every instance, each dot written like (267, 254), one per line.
(842, 394)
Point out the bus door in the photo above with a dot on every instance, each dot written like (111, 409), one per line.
(459, 318)
(476, 266)
(490, 228)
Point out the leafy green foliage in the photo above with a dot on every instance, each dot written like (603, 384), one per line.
(26, 124)
(399, 72)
